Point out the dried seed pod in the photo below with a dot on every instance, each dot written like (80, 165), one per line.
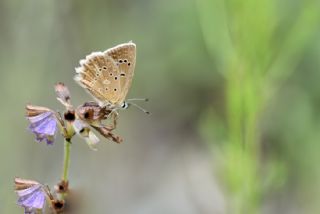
(63, 95)
(32, 110)
(21, 183)
(58, 205)
(62, 187)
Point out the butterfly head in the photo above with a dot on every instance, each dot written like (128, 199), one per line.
(124, 105)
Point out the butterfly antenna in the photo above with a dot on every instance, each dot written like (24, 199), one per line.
(139, 99)
(139, 107)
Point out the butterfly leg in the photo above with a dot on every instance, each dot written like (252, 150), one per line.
(108, 134)
(114, 116)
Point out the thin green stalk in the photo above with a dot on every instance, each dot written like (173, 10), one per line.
(234, 103)
(66, 161)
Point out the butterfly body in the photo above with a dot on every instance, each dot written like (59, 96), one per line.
(107, 75)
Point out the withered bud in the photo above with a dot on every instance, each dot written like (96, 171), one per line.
(91, 112)
(62, 186)
(70, 115)
(108, 134)
(21, 184)
(63, 95)
(32, 111)
(58, 205)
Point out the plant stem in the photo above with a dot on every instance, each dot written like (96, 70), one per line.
(66, 161)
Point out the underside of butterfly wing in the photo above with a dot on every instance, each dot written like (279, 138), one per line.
(99, 74)
(124, 56)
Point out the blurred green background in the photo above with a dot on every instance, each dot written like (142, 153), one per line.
(234, 95)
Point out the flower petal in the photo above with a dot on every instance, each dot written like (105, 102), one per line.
(44, 123)
(44, 126)
(32, 197)
(28, 210)
(82, 129)
(92, 140)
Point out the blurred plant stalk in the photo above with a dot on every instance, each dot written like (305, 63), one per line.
(255, 49)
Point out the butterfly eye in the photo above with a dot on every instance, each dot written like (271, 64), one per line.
(124, 105)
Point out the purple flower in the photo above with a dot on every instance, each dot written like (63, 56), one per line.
(32, 198)
(44, 126)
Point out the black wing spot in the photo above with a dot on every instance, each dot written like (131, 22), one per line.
(125, 60)
(115, 78)
(120, 60)
(115, 89)
(129, 64)
(122, 75)
(104, 67)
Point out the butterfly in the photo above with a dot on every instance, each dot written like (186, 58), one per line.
(107, 75)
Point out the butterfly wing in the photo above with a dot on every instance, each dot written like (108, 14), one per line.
(98, 74)
(124, 56)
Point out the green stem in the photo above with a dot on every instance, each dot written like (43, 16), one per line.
(66, 161)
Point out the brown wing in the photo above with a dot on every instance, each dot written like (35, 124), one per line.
(98, 74)
(124, 56)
